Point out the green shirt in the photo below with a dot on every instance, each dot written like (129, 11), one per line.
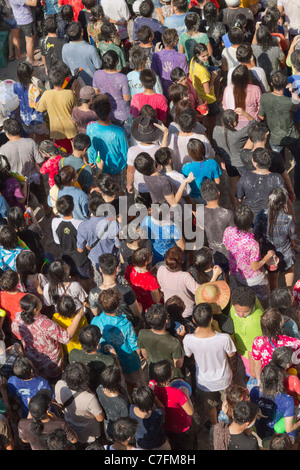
(246, 329)
(104, 47)
(189, 42)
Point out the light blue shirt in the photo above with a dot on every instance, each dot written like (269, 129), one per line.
(135, 85)
(177, 22)
(84, 55)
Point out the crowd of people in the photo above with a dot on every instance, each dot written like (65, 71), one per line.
(149, 297)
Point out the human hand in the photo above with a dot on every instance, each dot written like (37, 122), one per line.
(217, 271)
(189, 178)
(129, 189)
(162, 127)
(181, 331)
(270, 254)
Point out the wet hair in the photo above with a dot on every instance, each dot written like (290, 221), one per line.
(29, 303)
(143, 398)
(111, 379)
(202, 315)
(271, 379)
(210, 13)
(209, 190)
(282, 357)
(12, 127)
(110, 60)
(243, 296)
(137, 57)
(264, 38)
(25, 74)
(50, 24)
(8, 238)
(76, 376)
(163, 156)
(263, 158)
(187, 120)
(4, 172)
(57, 75)
(97, 13)
(74, 31)
(192, 21)
(271, 323)
(144, 164)
(144, 34)
(57, 440)
(108, 263)
(49, 149)
(26, 264)
(162, 371)
(244, 53)
(65, 176)
(270, 20)
(124, 429)
(281, 442)
(281, 299)
(110, 300)
(146, 8)
(235, 35)
(141, 257)
(243, 218)
(258, 131)
(174, 258)
(108, 32)
(81, 142)
(245, 412)
(9, 280)
(102, 107)
(65, 205)
(240, 80)
(22, 368)
(229, 119)
(278, 80)
(148, 78)
(203, 261)
(89, 337)
(15, 218)
(277, 203)
(66, 306)
(107, 185)
(196, 150)
(67, 13)
(170, 37)
(156, 316)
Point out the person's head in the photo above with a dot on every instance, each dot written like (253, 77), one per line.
(9, 280)
(75, 31)
(187, 120)
(102, 107)
(203, 262)
(95, 446)
(67, 13)
(107, 185)
(271, 323)
(243, 218)
(179, 6)
(145, 34)
(180, 107)
(26, 265)
(270, 21)
(148, 111)
(57, 440)
(148, 78)
(235, 36)
(179, 76)
(162, 372)
(177, 92)
(81, 142)
(76, 376)
(48, 149)
(108, 32)
(281, 442)
(8, 237)
(146, 8)
(156, 317)
(58, 272)
(38, 408)
(66, 306)
(144, 164)
(4, 170)
(295, 60)
(210, 13)
(143, 398)
(281, 299)
(245, 413)
(262, 158)
(12, 127)
(244, 53)
(30, 307)
(137, 57)
(196, 150)
(111, 378)
(66, 176)
(258, 132)
(282, 357)
(264, 38)
(97, 14)
(202, 315)
(89, 4)
(110, 60)
(141, 257)
(57, 75)
(23, 368)
(25, 74)
(201, 53)
(110, 300)
(170, 37)
(192, 22)
(210, 191)
(65, 205)
(123, 430)
(89, 337)
(236, 393)
(271, 380)
(50, 25)
(230, 119)
(86, 95)
(279, 80)
(243, 300)
(240, 80)
(174, 258)
(15, 218)
(108, 264)
(175, 306)
(277, 202)
(164, 156)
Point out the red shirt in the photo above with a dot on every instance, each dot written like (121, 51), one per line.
(11, 304)
(142, 283)
(176, 419)
(51, 166)
(76, 4)
(194, 3)
(157, 101)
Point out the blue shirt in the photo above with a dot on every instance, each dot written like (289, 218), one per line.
(119, 332)
(28, 115)
(51, 7)
(295, 81)
(177, 22)
(85, 177)
(80, 198)
(111, 143)
(4, 208)
(135, 85)
(24, 390)
(208, 169)
(163, 236)
(82, 54)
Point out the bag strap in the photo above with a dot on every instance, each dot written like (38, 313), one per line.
(103, 232)
(70, 400)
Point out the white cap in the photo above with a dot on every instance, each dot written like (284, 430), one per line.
(233, 3)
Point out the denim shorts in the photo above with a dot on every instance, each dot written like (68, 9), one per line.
(11, 23)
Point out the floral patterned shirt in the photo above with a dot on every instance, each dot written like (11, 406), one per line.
(262, 347)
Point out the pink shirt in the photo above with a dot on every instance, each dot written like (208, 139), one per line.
(157, 101)
(51, 166)
(262, 348)
(242, 249)
(251, 105)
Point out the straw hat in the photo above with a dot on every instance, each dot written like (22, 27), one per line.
(216, 293)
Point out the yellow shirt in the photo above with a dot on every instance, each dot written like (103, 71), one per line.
(59, 105)
(65, 322)
(248, 3)
(200, 75)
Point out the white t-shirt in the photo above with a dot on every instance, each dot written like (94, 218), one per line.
(292, 14)
(178, 144)
(229, 55)
(212, 368)
(75, 290)
(117, 10)
(259, 74)
(139, 182)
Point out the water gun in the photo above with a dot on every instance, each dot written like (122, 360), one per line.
(20, 178)
(27, 217)
(70, 80)
(279, 427)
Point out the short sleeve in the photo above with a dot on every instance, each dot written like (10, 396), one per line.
(256, 353)
(254, 252)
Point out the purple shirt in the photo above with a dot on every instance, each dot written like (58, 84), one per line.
(22, 12)
(115, 86)
(164, 61)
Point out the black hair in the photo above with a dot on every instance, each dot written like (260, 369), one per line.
(22, 368)
(66, 306)
(25, 74)
(26, 264)
(235, 36)
(181, 5)
(124, 429)
(137, 57)
(108, 32)
(88, 4)
(74, 31)
(156, 316)
(240, 80)
(29, 303)
(108, 263)
(56, 277)
(279, 80)
(65, 205)
(277, 203)
(187, 120)
(107, 185)
(8, 238)
(146, 8)
(263, 158)
(282, 357)
(144, 34)
(258, 131)
(264, 38)
(163, 156)
(244, 53)
(38, 407)
(281, 299)
(170, 37)
(198, 50)
(144, 164)
(102, 107)
(243, 296)
(210, 13)
(203, 261)
(162, 371)
(148, 78)
(57, 75)
(95, 446)
(177, 74)
(281, 442)
(143, 398)
(57, 440)
(89, 337)
(111, 379)
(209, 190)
(9, 280)
(245, 412)
(76, 376)
(192, 21)
(81, 142)
(67, 13)
(110, 60)
(65, 176)
(271, 379)
(270, 20)
(196, 150)
(202, 315)
(50, 24)
(97, 12)
(49, 149)
(12, 127)
(243, 218)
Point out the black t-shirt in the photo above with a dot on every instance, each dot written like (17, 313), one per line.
(243, 442)
(128, 298)
(159, 186)
(51, 49)
(277, 165)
